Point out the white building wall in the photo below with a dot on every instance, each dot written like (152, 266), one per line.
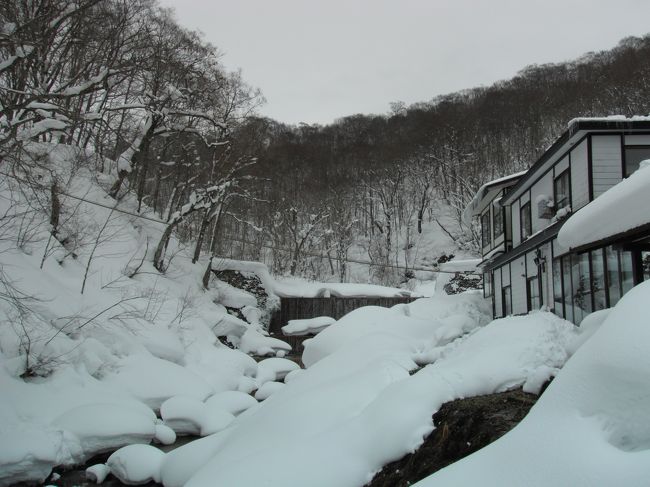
(518, 285)
(542, 188)
(606, 162)
(579, 176)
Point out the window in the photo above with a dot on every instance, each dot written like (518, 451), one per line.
(526, 224)
(627, 271)
(645, 263)
(561, 191)
(598, 280)
(532, 293)
(487, 284)
(498, 221)
(485, 229)
(567, 286)
(633, 157)
(506, 300)
(581, 286)
(613, 275)
(558, 292)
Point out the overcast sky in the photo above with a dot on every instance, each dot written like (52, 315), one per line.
(318, 60)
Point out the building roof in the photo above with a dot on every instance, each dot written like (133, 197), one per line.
(487, 192)
(577, 129)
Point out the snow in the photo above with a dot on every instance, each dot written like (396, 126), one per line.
(622, 208)
(136, 464)
(255, 343)
(189, 416)
(295, 287)
(308, 326)
(234, 402)
(274, 369)
(358, 407)
(592, 424)
(153, 380)
(267, 389)
(473, 205)
(103, 427)
(98, 473)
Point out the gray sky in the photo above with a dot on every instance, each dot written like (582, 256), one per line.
(318, 60)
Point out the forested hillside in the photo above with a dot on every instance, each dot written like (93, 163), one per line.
(381, 175)
(151, 100)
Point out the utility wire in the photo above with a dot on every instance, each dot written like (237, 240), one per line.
(235, 239)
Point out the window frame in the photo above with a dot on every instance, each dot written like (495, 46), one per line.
(525, 208)
(533, 283)
(626, 148)
(564, 174)
(498, 211)
(506, 290)
(486, 229)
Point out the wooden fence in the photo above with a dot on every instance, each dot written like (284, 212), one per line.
(335, 307)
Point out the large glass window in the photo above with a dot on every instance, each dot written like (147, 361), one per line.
(581, 286)
(526, 223)
(645, 262)
(613, 276)
(567, 284)
(498, 221)
(633, 157)
(532, 288)
(598, 280)
(485, 229)
(558, 298)
(506, 300)
(627, 271)
(561, 191)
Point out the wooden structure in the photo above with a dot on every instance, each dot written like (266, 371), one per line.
(335, 307)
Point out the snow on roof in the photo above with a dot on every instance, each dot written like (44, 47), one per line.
(483, 190)
(622, 208)
(294, 287)
(610, 118)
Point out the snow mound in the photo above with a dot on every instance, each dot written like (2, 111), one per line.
(310, 326)
(424, 322)
(274, 369)
(136, 464)
(189, 416)
(104, 427)
(98, 473)
(370, 410)
(268, 389)
(253, 342)
(153, 380)
(591, 426)
(234, 402)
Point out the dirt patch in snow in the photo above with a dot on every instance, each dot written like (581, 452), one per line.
(462, 427)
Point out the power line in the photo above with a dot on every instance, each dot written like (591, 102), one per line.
(235, 239)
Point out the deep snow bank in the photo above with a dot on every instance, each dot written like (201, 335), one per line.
(356, 407)
(591, 426)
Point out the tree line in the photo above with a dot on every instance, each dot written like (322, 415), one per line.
(150, 99)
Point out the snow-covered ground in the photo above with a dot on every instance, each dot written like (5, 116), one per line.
(135, 359)
(591, 426)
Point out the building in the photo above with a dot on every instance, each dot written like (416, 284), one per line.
(550, 238)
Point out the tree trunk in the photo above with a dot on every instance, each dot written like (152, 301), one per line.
(199, 240)
(159, 256)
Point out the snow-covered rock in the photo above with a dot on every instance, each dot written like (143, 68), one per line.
(234, 402)
(274, 369)
(136, 464)
(268, 389)
(310, 326)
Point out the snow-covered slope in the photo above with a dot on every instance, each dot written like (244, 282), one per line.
(591, 426)
(131, 340)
